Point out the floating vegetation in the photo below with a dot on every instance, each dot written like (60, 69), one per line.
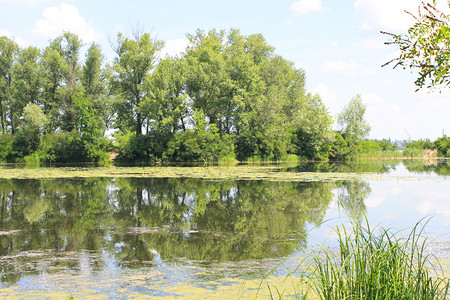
(274, 173)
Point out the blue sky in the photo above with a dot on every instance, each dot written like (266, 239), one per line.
(336, 42)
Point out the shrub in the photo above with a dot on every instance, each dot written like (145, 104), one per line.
(134, 148)
(195, 145)
(443, 146)
(63, 147)
(6, 141)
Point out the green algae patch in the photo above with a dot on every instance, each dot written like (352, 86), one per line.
(212, 173)
(138, 287)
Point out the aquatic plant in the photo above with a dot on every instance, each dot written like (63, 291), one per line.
(378, 266)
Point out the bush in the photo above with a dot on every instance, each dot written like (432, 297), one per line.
(134, 148)
(443, 146)
(413, 152)
(6, 141)
(422, 145)
(63, 147)
(339, 148)
(195, 145)
(256, 146)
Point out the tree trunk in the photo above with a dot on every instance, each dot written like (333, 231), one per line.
(182, 123)
(2, 117)
(138, 124)
(12, 123)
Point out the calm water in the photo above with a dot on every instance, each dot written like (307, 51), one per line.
(126, 237)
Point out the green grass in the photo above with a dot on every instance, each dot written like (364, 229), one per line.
(377, 154)
(378, 266)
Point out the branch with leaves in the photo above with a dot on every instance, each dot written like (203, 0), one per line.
(425, 47)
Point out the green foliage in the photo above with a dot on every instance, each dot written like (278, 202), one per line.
(63, 147)
(413, 152)
(351, 120)
(134, 148)
(8, 107)
(425, 47)
(339, 148)
(204, 143)
(377, 266)
(443, 146)
(254, 102)
(377, 149)
(135, 59)
(417, 148)
(6, 142)
(421, 144)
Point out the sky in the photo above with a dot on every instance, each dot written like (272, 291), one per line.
(337, 43)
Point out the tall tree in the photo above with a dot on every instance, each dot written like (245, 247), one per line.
(94, 81)
(135, 60)
(207, 74)
(351, 120)
(70, 45)
(166, 107)
(8, 56)
(28, 77)
(62, 80)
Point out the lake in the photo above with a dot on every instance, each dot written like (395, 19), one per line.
(136, 233)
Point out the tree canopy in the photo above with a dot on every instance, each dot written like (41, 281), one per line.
(228, 96)
(351, 120)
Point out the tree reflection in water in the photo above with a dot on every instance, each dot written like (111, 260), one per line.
(135, 219)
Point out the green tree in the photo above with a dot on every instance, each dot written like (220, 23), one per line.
(207, 74)
(28, 75)
(135, 60)
(96, 89)
(8, 55)
(54, 68)
(351, 120)
(312, 131)
(62, 71)
(28, 137)
(425, 47)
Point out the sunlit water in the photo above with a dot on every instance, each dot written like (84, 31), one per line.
(133, 237)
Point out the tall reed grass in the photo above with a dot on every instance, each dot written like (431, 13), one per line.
(378, 266)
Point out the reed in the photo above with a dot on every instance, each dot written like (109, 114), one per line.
(378, 266)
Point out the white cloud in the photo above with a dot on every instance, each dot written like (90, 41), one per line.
(174, 47)
(66, 17)
(306, 6)
(372, 99)
(433, 201)
(21, 42)
(388, 15)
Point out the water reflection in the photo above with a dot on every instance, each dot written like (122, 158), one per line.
(418, 166)
(46, 224)
(352, 196)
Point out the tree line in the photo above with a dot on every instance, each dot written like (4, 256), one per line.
(227, 96)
